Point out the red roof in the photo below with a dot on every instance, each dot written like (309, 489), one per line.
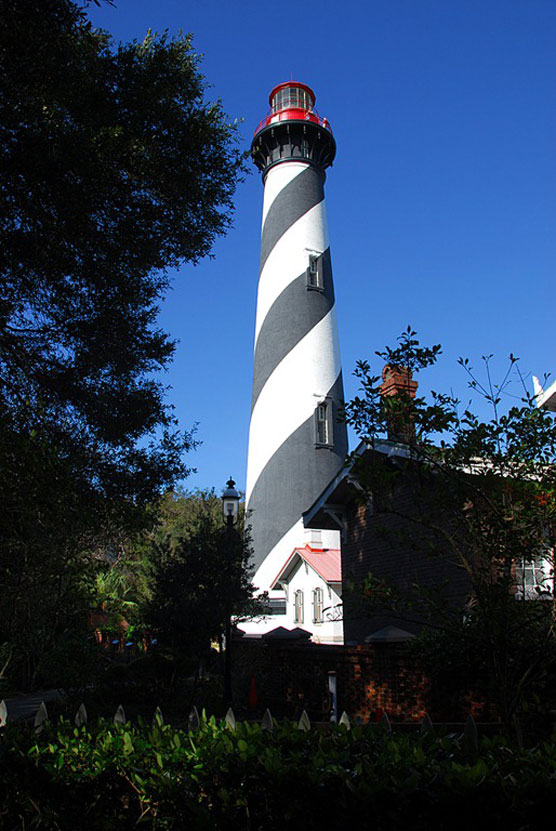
(326, 562)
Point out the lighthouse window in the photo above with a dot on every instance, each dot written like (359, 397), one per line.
(314, 272)
(324, 432)
(292, 97)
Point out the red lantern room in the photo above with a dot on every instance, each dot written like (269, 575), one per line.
(292, 129)
(292, 95)
(292, 101)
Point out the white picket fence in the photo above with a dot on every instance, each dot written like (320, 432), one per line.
(470, 732)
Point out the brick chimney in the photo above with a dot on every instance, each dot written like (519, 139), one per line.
(396, 381)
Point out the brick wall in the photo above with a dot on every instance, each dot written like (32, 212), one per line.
(371, 679)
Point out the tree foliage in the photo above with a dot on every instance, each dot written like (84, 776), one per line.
(202, 572)
(114, 168)
(483, 497)
(180, 579)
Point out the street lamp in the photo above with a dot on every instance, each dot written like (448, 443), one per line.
(230, 511)
(230, 502)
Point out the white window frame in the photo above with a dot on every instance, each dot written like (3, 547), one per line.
(534, 577)
(298, 602)
(318, 605)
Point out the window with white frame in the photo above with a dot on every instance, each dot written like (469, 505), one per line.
(317, 605)
(298, 606)
(534, 578)
(323, 423)
(314, 272)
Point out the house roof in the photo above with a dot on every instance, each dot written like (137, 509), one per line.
(389, 634)
(281, 633)
(545, 398)
(327, 511)
(325, 561)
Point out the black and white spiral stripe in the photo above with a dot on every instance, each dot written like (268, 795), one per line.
(296, 366)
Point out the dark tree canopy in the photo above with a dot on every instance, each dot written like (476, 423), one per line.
(202, 572)
(114, 168)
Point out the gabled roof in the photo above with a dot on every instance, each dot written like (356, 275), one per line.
(389, 634)
(327, 510)
(281, 633)
(325, 561)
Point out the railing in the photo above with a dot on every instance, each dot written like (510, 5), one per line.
(287, 114)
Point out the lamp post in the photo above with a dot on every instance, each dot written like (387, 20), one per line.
(230, 510)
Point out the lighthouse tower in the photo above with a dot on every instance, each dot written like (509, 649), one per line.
(296, 444)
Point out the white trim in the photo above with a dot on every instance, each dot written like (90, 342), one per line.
(545, 398)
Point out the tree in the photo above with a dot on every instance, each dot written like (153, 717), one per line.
(183, 577)
(201, 576)
(114, 169)
(483, 496)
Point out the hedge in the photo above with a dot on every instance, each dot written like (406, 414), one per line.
(122, 776)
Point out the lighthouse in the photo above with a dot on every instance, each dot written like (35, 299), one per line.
(296, 443)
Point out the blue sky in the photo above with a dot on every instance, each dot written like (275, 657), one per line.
(441, 201)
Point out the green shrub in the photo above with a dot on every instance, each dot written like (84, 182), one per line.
(72, 664)
(111, 777)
